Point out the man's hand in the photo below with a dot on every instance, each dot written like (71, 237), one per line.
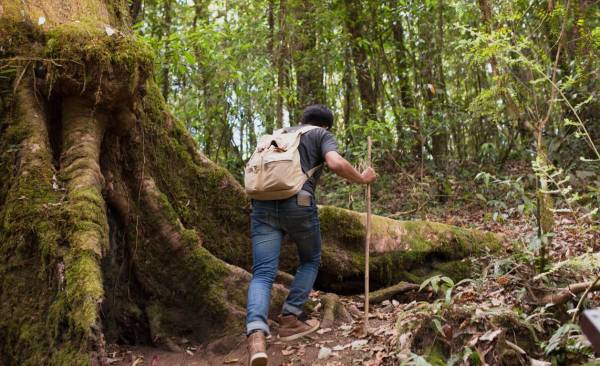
(368, 175)
(344, 169)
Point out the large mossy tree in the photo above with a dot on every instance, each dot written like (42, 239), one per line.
(113, 227)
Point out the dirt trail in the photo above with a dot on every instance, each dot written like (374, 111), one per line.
(338, 346)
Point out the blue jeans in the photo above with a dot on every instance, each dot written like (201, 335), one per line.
(270, 220)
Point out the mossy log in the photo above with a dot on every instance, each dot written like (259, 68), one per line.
(400, 250)
(113, 227)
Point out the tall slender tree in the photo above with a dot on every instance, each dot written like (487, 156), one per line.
(356, 24)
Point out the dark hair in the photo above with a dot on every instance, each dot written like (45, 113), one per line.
(317, 115)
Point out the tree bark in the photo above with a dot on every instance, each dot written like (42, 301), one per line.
(440, 135)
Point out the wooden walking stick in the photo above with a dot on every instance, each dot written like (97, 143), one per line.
(367, 243)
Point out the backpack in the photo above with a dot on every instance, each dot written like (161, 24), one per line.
(274, 171)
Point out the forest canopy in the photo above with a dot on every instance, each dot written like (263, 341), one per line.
(434, 81)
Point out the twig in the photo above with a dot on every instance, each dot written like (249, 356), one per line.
(409, 212)
(587, 291)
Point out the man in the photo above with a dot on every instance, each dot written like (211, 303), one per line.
(298, 217)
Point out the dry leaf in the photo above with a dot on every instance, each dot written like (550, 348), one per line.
(490, 335)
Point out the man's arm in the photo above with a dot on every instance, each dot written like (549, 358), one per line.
(344, 169)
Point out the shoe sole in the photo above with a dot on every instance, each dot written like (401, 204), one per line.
(298, 335)
(259, 359)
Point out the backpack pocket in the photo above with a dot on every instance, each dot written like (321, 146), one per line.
(276, 172)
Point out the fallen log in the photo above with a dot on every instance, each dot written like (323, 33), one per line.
(410, 251)
(389, 292)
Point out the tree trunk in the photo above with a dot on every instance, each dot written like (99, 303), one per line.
(402, 70)
(279, 57)
(113, 227)
(166, 83)
(440, 135)
(309, 70)
(356, 26)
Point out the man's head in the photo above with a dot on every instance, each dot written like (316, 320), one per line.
(317, 115)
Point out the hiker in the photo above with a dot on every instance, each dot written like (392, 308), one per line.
(281, 179)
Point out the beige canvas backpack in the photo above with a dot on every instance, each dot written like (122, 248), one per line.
(274, 171)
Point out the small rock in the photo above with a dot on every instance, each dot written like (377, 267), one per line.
(359, 344)
(324, 352)
(385, 302)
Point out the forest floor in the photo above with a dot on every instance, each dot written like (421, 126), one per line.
(334, 346)
(500, 288)
(495, 318)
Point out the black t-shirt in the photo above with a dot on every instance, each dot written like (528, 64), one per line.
(314, 144)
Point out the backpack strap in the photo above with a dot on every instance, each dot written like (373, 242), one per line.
(304, 129)
(313, 170)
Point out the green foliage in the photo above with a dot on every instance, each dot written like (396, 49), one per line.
(566, 343)
(507, 196)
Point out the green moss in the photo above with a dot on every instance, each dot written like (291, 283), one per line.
(57, 329)
(435, 355)
(83, 289)
(16, 37)
(342, 227)
(84, 42)
(34, 326)
(189, 183)
(401, 250)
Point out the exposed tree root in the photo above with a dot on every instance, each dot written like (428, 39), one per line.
(333, 310)
(87, 229)
(29, 238)
(284, 278)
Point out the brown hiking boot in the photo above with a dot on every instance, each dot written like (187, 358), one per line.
(257, 348)
(290, 327)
